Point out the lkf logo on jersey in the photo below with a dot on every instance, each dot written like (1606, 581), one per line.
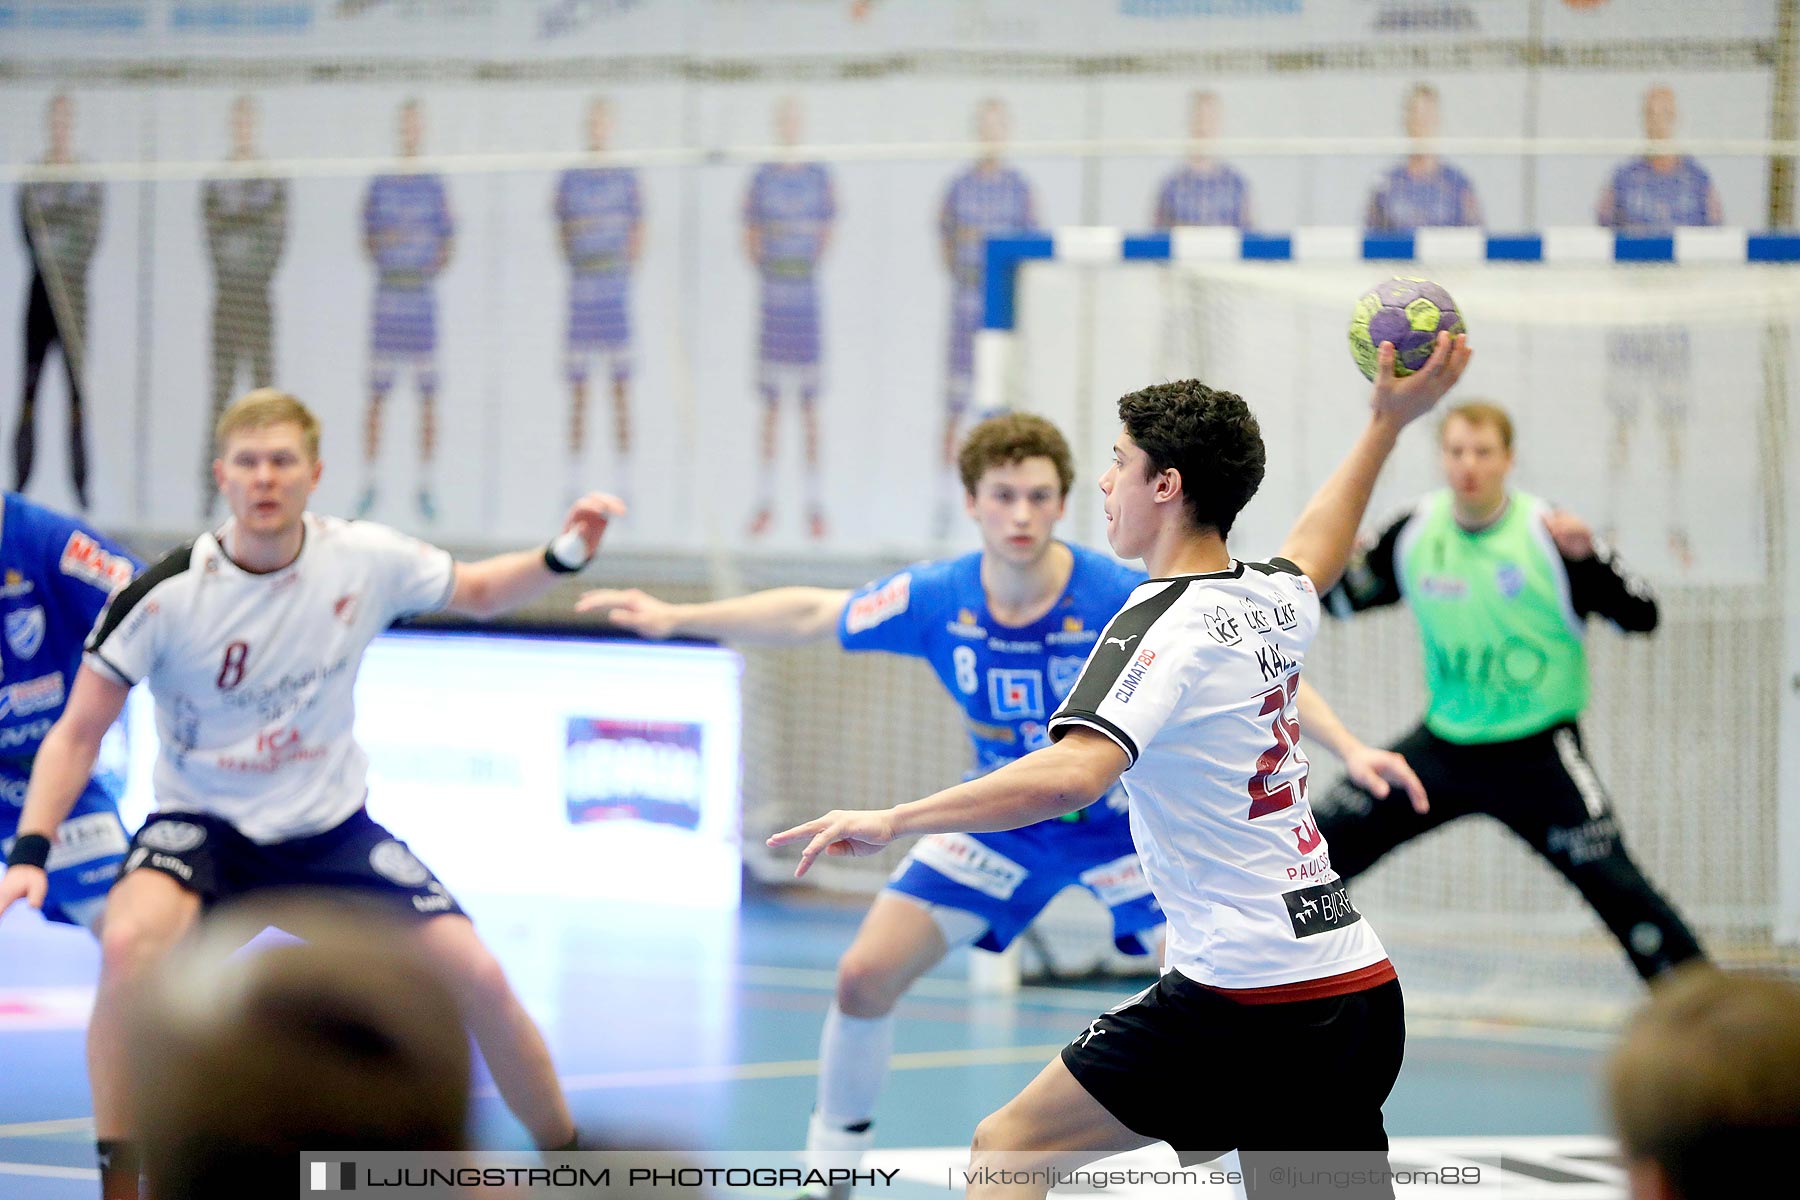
(871, 609)
(1222, 627)
(1257, 619)
(1064, 671)
(1013, 694)
(1510, 579)
(1286, 617)
(25, 630)
(84, 558)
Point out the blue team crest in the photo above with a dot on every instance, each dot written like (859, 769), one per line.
(1510, 579)
(25, 630)
(1064, 671)
(1015, 694)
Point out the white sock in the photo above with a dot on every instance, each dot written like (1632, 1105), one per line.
(829, 1148)
(853, 1066)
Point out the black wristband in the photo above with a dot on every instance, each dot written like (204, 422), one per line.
(31, 850)
(558, 566)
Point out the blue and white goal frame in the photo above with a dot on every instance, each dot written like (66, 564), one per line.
(1574, 245)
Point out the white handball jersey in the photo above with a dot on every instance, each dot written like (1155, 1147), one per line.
(254, 675)
(1197, 679)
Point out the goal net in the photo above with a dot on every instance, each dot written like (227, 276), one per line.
(1652, 400)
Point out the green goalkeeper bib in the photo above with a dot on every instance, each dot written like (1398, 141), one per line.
(1503, 644)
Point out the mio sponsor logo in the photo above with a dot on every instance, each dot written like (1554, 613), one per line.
(1222, 627)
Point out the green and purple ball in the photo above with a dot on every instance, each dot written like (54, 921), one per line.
(1407, 312)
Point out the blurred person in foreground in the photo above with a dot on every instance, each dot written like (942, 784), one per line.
(1705, 1086)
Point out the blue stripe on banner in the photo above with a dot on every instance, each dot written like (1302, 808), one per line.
(1772, 247)
(1644, 249)
(1515, 248)
(1268, 247)
(1147, 245)
(1388, 245)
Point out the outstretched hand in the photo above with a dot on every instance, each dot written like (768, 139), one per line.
(630, 608)
(1405, 398)
(840, 835)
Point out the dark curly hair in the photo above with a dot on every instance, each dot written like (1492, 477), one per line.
(1210, 437)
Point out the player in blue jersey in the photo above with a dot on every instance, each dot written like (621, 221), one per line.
(1203, 190)
(58, 573)
(600, 224)
(1422, 190)
(788, 215)
(409, 234)
(1654, 193)
(1006, 630)
(986, 198)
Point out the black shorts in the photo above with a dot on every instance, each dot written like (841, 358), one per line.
(1185, 1065)
(209, 857)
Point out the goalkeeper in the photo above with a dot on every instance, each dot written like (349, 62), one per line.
(1501, 585)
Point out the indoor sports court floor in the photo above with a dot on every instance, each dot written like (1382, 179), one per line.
(693, 1029)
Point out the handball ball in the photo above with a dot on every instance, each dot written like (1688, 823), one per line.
(1407, 312)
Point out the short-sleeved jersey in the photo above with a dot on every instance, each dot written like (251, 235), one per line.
(1007, 679)
(1403, 200)
(1197, 682)
(246, 223)
(1640, 199)
(980, 202)
(406, 219)
(57, 574)
(599, 209)
(1212, 195)
(253, 674)
(791, 206)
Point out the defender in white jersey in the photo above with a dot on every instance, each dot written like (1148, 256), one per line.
(250, 638)
(1277, 1025)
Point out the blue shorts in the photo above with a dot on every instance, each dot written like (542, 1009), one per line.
(1008, 878)
(88, 852)
(209, 857)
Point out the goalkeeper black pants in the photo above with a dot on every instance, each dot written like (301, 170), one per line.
(1541, 787)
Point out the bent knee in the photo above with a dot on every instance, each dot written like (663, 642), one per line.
(867, 987)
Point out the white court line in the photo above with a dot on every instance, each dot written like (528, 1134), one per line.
(39, 1128)
(39, 1171)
